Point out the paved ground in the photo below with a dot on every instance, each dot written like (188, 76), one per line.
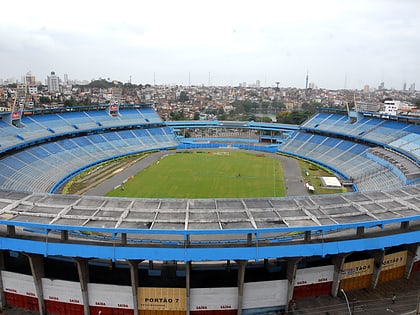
(292, 176)
(17, 311)
(367, 301)
(109, 184)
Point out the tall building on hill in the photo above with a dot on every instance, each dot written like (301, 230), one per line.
(30, 79)
(53, 83)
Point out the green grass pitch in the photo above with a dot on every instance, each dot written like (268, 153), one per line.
(209, 174)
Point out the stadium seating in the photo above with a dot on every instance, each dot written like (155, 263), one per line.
(346, 156)
(39, 168)
(38, 126)
(399, 135)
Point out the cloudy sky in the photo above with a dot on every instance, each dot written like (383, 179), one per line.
(341, 43)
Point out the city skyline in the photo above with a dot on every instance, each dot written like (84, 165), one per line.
(346, 44)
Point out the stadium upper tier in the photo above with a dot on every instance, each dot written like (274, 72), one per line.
(397, 135)
(37, 125)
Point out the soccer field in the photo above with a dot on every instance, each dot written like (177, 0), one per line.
(212, 174)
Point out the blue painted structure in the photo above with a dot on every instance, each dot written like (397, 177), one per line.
(260, 248)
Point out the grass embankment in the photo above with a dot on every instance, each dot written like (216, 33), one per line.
(99, 173)
(312, 173)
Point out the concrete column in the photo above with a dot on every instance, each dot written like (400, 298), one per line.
(134, 275)
(241, 281)
(2, 267)
(64, 235)
(291, 276)
(37, 268)
(378, 258)
(188, 286)
(308, 235)
(405, 225)
(338, 261)
(11, 231)
(249, 239)
(411, 254)
(124, 239)
(83, 271)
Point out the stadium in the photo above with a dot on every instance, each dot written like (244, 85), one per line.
(89, 254)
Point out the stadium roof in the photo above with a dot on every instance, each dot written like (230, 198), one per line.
(208, 214)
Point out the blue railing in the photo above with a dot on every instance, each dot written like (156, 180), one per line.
(123, 243)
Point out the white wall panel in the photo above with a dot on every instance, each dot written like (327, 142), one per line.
(314, 275)
(110, 295)
(265, 294)
(62, 291)
(213, 299)
(18, 283)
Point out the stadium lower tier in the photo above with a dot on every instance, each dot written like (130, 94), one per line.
(66, 285)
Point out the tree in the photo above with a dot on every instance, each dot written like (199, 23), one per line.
(293, 117)
(245, 107)
(70, 102)
(265, 119)
(177, 115)
(311, 107)
(223, 116)
(44, 100)
(103, 84)
(87, 101)
(278, 105)
(183, 97)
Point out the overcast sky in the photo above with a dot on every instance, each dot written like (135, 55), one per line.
(341, 43)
